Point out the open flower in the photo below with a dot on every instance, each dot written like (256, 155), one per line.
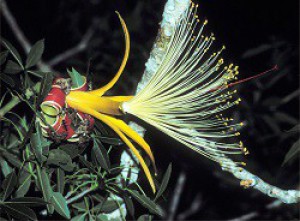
(184, 99)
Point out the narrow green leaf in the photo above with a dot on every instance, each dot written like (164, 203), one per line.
(9, 184)
(5, 168)
(7, 79)
(45, 187)
(87, 164)
(20, 212)
(35, 54)
(60, 205)
(38, 143)
(3, 56)
(45, 86)
(111, 140)
(146, 202)
(80, 217)
(101, 155)
(294, 151)
(12, 159)
(164, 182)
(129, 205)
(12, 67)
(107, 206)
(13, 51)
(24, 182)
(103, 217)
(27, 201)
(60, 177)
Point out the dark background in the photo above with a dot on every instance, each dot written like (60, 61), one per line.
(257, 36)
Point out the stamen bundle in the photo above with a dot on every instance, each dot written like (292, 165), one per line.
(186, 97)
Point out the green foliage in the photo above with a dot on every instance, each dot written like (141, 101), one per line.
(66, 180)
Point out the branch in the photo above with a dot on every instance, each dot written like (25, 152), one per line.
(176, 196)
(275, 204)
(80, 195)
(195, 206)
(250, 180)
(11, 21)
(81, 46)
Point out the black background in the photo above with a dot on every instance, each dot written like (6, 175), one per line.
(243, 26)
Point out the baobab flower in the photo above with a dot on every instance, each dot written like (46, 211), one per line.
(185, 98)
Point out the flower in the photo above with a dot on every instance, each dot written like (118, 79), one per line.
(185, 98)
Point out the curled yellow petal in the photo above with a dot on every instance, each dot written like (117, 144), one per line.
(121, 125)
(108, 86)
(105, 120)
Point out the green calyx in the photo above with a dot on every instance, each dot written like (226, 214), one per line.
(77, 79)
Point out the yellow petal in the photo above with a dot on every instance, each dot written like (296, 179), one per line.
(105, 120)
(108, 86)
(119, 98)
(133, 135)
(79, 100)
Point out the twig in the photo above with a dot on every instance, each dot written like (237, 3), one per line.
(275, 204)
(82, 45)
(11, 21)
(195, 206)
(80, 195)
(10, 105)
(176, 196)
(251, 180)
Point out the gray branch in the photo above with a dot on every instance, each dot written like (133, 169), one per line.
(81, 46)
(176, 196)
(11, 21)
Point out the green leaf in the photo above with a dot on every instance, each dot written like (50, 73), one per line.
(71, 149)
(111, 140)
(101, 155)
(145, 218)
(77, 79)
(7, 79)
(27, 201)
(20, 212)
(294, 151)
(9, 184)
(3, 56)
(60, 177)
(60, 205)
(13, 51)
(24, 183)
(45, 86)
(107, 206)
(129, 204)
(5, 168)
(164, 182)
(12, 159)
(38, 143)
(87, 164)
(45, 187)
(80, 217)
(35, 54)
(146, 202)
(12, 68)
(60, 158)
(103, 217)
